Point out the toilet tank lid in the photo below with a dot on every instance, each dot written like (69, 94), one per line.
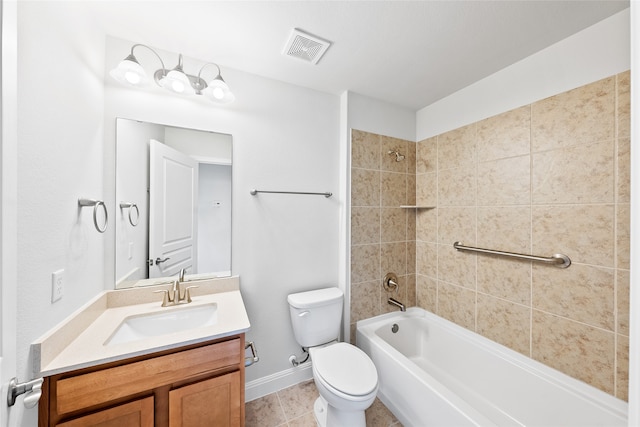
(316, 298)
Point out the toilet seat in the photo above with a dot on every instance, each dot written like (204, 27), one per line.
(346, 370)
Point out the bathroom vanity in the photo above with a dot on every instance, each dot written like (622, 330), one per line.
(190, 386)
(190, 376)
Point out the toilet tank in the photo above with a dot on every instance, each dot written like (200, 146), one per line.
(316, 316)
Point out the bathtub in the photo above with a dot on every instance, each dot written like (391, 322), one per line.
(433, 372)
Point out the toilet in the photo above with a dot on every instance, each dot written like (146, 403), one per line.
(344, 375)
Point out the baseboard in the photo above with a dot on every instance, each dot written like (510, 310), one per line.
(274, 382)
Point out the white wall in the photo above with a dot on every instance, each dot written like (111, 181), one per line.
(284, 138)
(599, 51)
(60, 158)
(376, 116)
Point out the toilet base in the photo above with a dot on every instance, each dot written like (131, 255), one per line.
(328, 416)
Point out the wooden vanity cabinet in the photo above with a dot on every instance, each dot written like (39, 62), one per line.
(197, 385)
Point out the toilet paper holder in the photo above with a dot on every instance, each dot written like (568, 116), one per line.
(33, 390)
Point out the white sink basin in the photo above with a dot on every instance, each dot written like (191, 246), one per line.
(166, 321)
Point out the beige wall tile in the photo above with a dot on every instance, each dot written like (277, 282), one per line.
(411, 190)
(582, 232)
(505, 135)
(427, 259)
(393, 189)
(365, 225)
(427, 225)
(505, 322)
(622, 301)
(427, 189)
(581, 174)
(576, 117)
(365, 300)
(427, 293)
(505, 228)
(410, 156)
(623, 170)
(505, 278)
(388, 161)
(457, 224)
(393, 225)
(457, 187)
(505, 181)
(622, 368)
(365, 187)
(581, 292)
(411, 224)
(623, 104)
(410, 299)
(427, 155)
(456, 267)
(365, 263)
(365, 150)
(393, 258)
(457, 148)
(457, 304)
(411, 257)
(623, 235)
(579, 350)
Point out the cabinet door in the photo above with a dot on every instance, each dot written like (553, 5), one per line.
(213, 402)
(138, 413)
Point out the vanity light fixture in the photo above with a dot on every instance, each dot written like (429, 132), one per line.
(130, 72)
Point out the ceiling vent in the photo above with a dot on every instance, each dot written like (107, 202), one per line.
(305, 46)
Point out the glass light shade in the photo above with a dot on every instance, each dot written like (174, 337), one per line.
(218, 91)
(130, 72)
(178, 82)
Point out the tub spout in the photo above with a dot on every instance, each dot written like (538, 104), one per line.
(393, 301)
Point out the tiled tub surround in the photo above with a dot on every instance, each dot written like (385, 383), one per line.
(382, 233)
(550, 177)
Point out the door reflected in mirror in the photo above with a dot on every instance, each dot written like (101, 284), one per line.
(173, 199)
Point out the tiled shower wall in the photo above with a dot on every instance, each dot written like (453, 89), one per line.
(550, 177)
(382, 233)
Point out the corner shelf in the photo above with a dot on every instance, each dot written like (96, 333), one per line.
(416, 207)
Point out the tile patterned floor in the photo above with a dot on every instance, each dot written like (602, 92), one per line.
(293, 407)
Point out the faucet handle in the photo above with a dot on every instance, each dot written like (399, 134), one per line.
(166, 299)
(187, 293)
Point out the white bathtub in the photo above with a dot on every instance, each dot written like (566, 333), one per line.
(433, 372)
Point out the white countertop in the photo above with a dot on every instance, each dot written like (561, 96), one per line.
(79, 341)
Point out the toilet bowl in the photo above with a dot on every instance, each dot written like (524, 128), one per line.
(344, 375)
(347, 381)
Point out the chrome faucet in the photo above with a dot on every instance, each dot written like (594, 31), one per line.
(175, 296)
(393, 301)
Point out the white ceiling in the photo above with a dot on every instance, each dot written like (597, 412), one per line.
(410, 53)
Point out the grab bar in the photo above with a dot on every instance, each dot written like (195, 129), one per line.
(558, 260)
(253, 192)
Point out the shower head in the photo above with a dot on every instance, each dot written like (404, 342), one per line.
(399, 157)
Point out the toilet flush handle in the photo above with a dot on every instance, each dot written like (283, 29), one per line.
(303, 313)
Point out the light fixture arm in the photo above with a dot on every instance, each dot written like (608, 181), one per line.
(164, 69)
(204, 66)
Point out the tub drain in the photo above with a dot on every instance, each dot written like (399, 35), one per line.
(395, 328)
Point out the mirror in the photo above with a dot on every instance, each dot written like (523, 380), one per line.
(173, 203)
